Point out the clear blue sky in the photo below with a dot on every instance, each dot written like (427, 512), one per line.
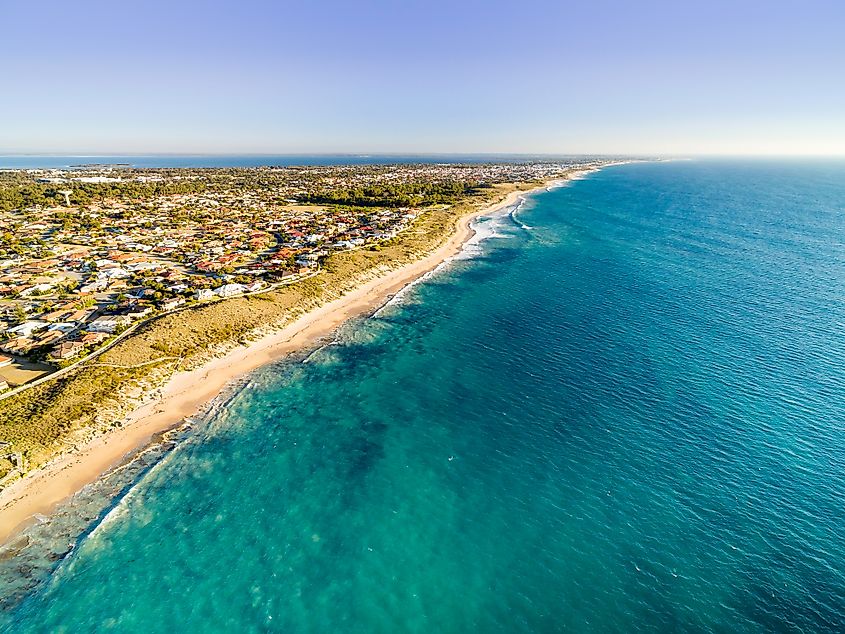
(671, 77)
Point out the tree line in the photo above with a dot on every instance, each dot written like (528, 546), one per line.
(393, 194)
(18, 195)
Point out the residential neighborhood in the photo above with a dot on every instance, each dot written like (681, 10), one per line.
(88, 251)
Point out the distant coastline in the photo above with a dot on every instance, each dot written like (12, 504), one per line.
(158, 161)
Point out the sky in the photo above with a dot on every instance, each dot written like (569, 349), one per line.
(462, 76)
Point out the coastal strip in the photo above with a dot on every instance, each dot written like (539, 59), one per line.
(187, 392)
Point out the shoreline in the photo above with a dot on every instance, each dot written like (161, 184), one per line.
(185, 393)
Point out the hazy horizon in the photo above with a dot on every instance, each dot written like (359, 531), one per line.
(410, 154)
(263, 78)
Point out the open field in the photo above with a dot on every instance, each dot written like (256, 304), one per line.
(22, 371)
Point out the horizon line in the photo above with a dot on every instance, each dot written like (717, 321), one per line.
(423, 153)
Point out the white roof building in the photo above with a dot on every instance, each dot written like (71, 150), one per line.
(27, 328)
(108, 323)
(228, 290)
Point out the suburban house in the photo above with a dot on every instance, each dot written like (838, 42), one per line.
(93, 338)
(173, 302)
(109, 323)
(27, 328)
(229, 290)
(68, 349)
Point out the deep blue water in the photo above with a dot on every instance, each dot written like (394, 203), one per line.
(624, 414)
(31, 161)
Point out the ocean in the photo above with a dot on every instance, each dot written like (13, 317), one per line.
(621, 410)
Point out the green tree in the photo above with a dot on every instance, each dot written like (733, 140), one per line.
(19, 314)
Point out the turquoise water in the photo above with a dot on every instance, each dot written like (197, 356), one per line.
(625, 413)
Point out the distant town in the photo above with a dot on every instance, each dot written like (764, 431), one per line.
(87, 253)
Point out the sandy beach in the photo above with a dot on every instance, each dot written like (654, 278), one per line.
(187, 392)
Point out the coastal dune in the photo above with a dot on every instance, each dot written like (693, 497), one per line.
(187, 392)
